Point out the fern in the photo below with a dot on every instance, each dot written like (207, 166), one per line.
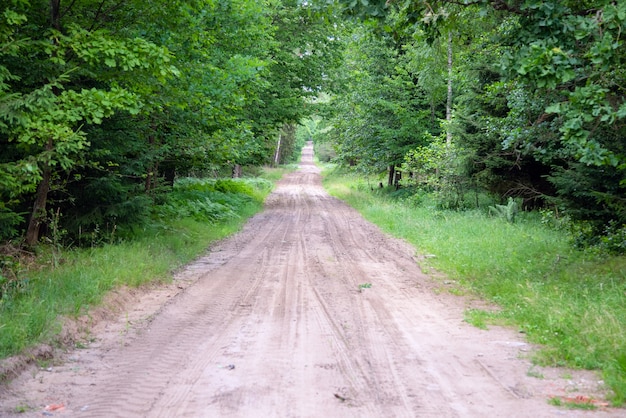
(508, 211)
(208, 199)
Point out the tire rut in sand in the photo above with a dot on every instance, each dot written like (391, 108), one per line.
(275, 326)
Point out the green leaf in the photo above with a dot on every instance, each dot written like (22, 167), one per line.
(554, 108)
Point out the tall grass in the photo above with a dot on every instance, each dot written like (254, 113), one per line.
(572, 302)
(79, 278)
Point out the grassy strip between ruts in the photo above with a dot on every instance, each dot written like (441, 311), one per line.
(83, 276)
(571, 302)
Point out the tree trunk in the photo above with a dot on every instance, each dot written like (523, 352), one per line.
(55, 14)
(154, 167)
(277, 155)
(392, 173)
(38, 215)
(449, 101)
(236, 171)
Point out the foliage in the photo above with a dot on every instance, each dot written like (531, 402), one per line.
(507, 212)
(42, 112)
(324, 152)
(9, 222)
(35, 294)
(537, 88)
(205, 200)
(440, 168)
(613, 239)
(102, 108)
(374, 118)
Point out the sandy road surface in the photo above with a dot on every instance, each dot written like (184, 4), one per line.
(272, 324)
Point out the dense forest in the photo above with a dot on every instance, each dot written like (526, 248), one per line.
(520, 100)
(104, 103)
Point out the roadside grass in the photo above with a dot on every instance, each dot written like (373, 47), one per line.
(274, 174)
(572, 302)
(70, 282)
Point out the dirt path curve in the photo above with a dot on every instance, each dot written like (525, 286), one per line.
(272, 324)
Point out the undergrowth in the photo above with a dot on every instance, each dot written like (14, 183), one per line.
(59, 282)
(211, 200)
(571, 301)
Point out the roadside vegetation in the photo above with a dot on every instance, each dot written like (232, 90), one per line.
(126, 133)
(492, 135)
(39, 288)
(571, 301)
(496, 131)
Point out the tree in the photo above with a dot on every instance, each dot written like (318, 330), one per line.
(103, 102)
(541, 93)
(44, 108)
(379, 114)
(305, 52)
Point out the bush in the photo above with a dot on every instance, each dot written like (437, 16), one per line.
(324, 152)
(209, 199)
(101, 209)
(9, 223)
(614, 239)
(440, 168)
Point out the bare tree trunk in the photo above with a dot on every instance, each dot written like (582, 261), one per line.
(277, 155)
(392, 173)
(449, 101)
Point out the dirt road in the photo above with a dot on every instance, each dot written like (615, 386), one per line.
(274, 323)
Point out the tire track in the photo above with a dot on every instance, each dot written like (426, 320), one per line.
(275, 326)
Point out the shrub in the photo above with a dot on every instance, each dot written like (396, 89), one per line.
(9, 223)
(324, 152)
(209, 199)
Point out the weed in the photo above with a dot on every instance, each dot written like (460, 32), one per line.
(12, 280)
(556, 401)
(456, 291)
(56, 236)
(81, 345)
(580, 402)
(43, 364)
(532, 372)
(477, 317)
(364, 286)
(20, 409)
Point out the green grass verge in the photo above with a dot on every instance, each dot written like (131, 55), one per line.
(81, 277)
(571, 302)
